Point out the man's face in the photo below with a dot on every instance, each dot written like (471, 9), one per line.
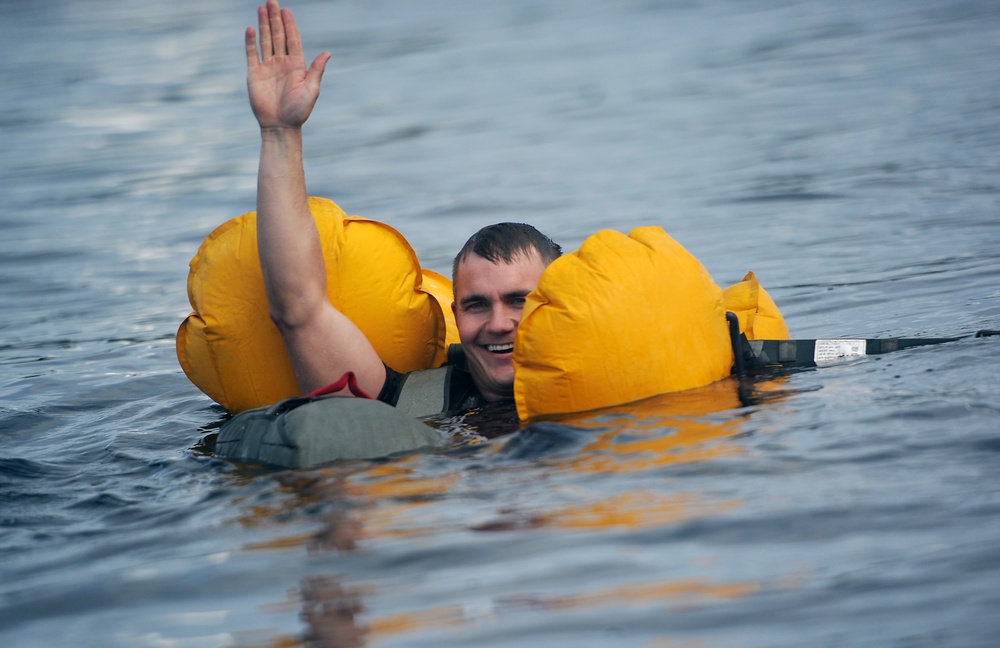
(489, 298)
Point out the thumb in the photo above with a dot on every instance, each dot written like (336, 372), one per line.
(315, 74)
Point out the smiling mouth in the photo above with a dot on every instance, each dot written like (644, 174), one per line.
(500, 348)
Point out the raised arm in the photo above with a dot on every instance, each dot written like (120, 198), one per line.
(323, 343)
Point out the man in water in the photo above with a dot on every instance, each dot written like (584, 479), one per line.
(492, 274)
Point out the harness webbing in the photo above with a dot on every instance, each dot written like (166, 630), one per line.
(757, 354)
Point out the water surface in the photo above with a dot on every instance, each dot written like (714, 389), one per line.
(847, 153)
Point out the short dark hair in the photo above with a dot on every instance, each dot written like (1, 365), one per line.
(503, 242)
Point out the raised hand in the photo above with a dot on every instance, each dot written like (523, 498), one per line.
(282, 90)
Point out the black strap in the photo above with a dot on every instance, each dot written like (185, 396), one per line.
(757, 354)
(456, 357)
(737, 339)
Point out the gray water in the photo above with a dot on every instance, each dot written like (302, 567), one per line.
(848, 153)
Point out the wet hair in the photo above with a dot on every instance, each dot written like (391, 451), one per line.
(503, 242)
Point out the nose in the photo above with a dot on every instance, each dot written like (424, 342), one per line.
(503, 319)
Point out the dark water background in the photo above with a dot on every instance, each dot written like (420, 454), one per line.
(847, 152)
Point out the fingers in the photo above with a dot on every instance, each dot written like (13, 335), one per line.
(292, 37)
(279, 35)
(276, 15)
(266, 49)
(251, 43)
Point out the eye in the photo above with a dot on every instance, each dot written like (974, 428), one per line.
(474, 306)
(516, 302)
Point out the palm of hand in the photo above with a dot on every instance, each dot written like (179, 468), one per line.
(279, 94)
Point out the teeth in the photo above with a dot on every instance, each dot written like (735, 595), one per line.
(500, 348)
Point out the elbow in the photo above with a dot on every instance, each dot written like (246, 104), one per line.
(282, 319)
(290, 315)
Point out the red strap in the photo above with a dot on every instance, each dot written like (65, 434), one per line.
(348, 380)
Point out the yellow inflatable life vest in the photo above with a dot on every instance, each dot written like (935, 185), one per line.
(232, 351)
(759, 316)
(621, 319)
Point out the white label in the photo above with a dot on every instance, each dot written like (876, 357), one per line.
(828, 351)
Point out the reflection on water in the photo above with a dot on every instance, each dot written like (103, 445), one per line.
(634, 510)
(356, 507)
(673, 428)
(662, 595)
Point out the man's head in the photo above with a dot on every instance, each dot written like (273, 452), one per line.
(492, 275)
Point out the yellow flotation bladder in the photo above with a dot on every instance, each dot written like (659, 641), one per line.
(621, 319)
(232, 351)
(759, 316)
